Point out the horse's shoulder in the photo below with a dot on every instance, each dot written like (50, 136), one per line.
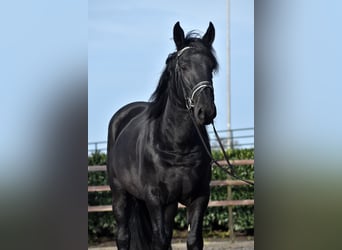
(123, 117)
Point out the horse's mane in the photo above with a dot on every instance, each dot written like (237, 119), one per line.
(159, 97)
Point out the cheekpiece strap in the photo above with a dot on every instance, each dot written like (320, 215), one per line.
(179, 53)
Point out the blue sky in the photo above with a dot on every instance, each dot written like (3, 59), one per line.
(129, 42)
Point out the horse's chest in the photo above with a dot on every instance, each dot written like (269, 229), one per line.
(179, 176)
(184, 183)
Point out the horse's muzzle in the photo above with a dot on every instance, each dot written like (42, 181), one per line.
(205, 115)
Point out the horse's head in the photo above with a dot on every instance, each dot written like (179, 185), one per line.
(195, 65)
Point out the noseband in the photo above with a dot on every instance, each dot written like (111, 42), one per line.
(197, 89)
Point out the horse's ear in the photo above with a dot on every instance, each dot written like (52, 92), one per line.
(178, 36)
(209, 35)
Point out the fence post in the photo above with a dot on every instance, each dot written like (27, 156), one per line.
(230, 213)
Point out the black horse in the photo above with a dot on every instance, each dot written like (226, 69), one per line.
(156, 157)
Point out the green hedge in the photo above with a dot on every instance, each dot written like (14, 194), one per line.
(102, 224)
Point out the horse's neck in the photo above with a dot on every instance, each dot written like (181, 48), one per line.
(177, 127)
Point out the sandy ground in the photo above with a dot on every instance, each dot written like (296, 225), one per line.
(208, 245)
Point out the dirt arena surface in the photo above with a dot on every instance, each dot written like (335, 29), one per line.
(245, 244)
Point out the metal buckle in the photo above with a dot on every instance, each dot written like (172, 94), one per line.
(189, 103)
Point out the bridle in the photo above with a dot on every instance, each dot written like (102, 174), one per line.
(190, 104)
(197, 89)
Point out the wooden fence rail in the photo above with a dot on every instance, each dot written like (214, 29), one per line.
(97, 168)
(220, 183)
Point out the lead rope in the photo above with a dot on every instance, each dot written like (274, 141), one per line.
(231, 172)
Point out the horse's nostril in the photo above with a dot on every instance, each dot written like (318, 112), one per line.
(205, 116)
(201, 114)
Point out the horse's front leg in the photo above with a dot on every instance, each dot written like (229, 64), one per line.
(159, 215)
(169, 216)
(195, 215)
